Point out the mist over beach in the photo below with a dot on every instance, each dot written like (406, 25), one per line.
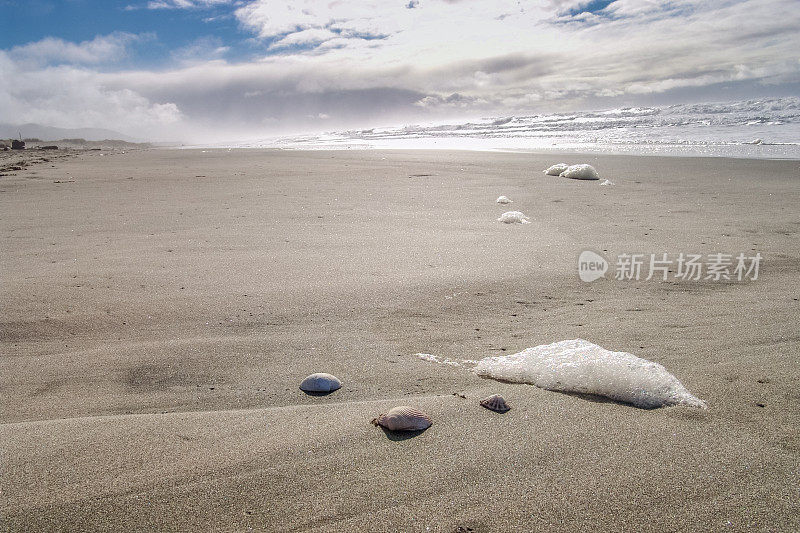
(433, 265)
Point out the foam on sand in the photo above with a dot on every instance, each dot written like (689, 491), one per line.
(503, 200)
(513, 217)
(436, 359)
(606, 182)
(582, 367)
(556, 169)
(580, 172)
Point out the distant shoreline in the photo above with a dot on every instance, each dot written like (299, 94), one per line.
(77, 143)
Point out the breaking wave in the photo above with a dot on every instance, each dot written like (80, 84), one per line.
(686, 129)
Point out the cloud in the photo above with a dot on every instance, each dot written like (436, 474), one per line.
(289, 95)
(364, 19)
(202, 49)
(587, 53)
(67, 96)
(453, 100)
(314, 36)
(101, 49)
(185, 4)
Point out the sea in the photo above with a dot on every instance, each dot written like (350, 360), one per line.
(767, 128)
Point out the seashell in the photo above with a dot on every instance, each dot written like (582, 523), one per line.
(495, 402)
(320, 382)
(404, 418)
(503, 200)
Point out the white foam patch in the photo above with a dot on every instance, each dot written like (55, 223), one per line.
(513, 217)
(503, 200)
(582, 367)
(556, 169)
(580, 172)
(436, 359)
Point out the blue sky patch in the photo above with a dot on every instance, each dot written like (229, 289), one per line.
(592, 7)
(166, 30)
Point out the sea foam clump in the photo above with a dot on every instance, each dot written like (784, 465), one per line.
(580, 172)
(503, 200)
(582, 367)
(556, 170)
(436, 359)
(513, 217)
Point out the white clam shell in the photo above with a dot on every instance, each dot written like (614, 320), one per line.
(404, 418)
(320, 382)
(495, 402)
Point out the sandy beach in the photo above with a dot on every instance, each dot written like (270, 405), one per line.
(160, 308)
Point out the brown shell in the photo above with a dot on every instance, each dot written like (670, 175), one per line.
(404, 418)
(495, 402)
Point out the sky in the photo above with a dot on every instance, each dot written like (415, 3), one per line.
(224, 70)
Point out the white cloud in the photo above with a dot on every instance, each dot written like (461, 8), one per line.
(69, 97)
(269, 18)
(200, 50)
(101, 49)
(305, 37)
(442, 46)
(453, 100)
(185, 4)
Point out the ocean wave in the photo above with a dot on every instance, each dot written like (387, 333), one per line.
(775, 121)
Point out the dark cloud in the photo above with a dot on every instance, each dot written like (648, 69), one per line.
(250, 107)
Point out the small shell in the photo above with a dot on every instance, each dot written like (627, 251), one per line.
(320, 382)
(495, 402)
(404, 418)
(503, 200)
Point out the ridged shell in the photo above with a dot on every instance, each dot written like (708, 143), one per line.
(320, 382)
(404, 418)
(495, 402)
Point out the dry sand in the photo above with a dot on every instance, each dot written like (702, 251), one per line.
(160, 308)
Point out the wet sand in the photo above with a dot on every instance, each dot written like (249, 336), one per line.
(161, 307)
